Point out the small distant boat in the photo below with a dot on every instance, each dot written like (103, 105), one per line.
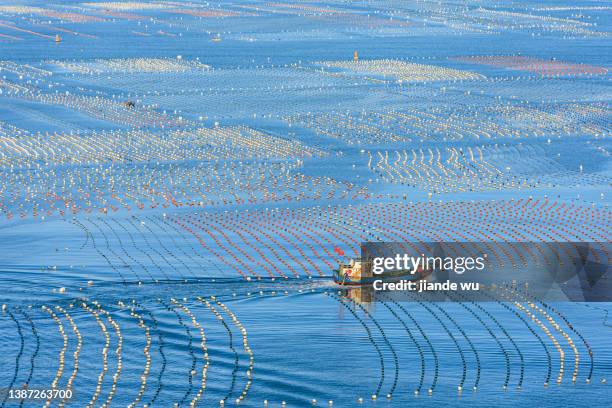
(216, 39)
(358, 272)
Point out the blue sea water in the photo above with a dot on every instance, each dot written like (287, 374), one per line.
(62, 244)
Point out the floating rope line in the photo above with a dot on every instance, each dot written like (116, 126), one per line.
(434, 381)
(535, 334)
(160, 348)
(231, 347)
(418, 346)
(604, 323)
(143, 266)
(558, 328)
(60, 369)
(204, 347)
(370, 338)
(207, 226)
(118, 351)
(147, 254)
(258, 250)
(172, 226)
(93, 241)
(76, 353)
(247, 349)
(17, 357)
(242, 253)
(102, 374)
(190, 349)
(498, 341)
(125, 252)
(147, 348)
(237, 260)
(190, 245)
(495, 338)
(469, 341)
(450, 335)
(548, 333)
(84, 244)
(264, 224)
(161, 244)
(516, 347)
(34, 354)
(302, 243)
(162, 227)
(384, 336)
(586, 344)
(109, 249)
(150, 247)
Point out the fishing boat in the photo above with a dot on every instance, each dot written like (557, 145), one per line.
(358, 272)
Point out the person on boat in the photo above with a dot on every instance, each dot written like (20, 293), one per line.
(347, 274)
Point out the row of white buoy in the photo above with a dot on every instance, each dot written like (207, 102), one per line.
(105, 349)
(127, 5)
(245, 344)
(146, 351)
(49, 189)
(529, 307)
(139, 146)
(204, 348)
(62, 354)
(468, 122)
(76, 352)
(131, 66)
(403, 71)
(546, 68)
(458, 170)
(118, 351)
